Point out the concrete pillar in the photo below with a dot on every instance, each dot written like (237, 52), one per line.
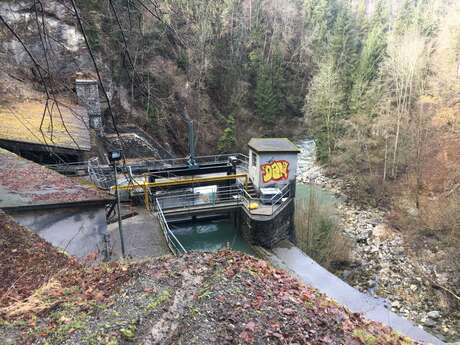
(88, 96)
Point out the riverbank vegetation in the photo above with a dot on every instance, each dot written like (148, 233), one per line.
(383, 104)
(318, 234)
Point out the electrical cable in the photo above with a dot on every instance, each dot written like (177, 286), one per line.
(93, 59)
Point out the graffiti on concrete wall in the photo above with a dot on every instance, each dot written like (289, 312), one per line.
(275, 171)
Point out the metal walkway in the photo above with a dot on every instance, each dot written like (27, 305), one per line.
(175, 166)
(222, 199)
(219, 199)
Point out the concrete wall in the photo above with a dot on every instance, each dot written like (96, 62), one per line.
(267, 231)
(79, 231)
(266, 162)
(254, 167)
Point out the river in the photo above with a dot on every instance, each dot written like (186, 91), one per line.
(306, 165)
(211, 236)
(383, 268)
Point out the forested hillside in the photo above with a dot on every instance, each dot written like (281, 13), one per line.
(384, 108)
(240, 68)
(383, 105)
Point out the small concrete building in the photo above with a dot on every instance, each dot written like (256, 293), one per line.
(67, 212)
(272, 162)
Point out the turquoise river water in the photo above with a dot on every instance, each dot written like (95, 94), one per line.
(211, 236)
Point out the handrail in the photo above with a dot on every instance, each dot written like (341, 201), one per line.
(208, 158)
(282, 191)
(185, 200)
(223, 195)
(274, 200)
(185, 181)
(236, 194)
(176, 249)
(51, 166)
(246, 197)
(205, 158)
(102, 179)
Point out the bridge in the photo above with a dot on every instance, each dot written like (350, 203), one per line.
(175, 166)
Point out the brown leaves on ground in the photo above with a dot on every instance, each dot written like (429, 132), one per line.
(37, 184)
(36, 277)
(27, 261)
(253, 303)
(235, 298)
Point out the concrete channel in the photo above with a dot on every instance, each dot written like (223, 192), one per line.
(287, 256)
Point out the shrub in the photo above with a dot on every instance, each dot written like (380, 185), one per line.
(227, 141)
(318, 233)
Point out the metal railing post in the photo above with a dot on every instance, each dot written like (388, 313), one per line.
(120, 229)
(175, 248)
(146, 196)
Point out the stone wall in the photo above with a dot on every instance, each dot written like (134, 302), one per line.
(88, 96)
(267, 231)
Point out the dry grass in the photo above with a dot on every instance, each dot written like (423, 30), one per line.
(318, 234)
(37, 303)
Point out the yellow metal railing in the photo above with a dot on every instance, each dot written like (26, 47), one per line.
(146, 185)
(182, 182)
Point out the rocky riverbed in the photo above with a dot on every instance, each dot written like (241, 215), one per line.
(382, 264)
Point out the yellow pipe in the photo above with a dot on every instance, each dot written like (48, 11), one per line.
(182, 182)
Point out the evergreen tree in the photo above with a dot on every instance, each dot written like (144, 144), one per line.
(325, 109)
(267, 97)
(344, 46)
(227, 141)
(372, 55)
(327, 103)
(320, 17)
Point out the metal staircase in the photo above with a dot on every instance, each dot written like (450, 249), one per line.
(251, 190)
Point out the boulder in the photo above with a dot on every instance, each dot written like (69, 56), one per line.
(434, 314)
(383, 232)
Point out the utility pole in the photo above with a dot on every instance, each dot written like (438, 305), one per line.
(114, 157)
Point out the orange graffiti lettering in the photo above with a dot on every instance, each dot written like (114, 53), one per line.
(275, 171)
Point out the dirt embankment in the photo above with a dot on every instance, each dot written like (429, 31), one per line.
(200, 298)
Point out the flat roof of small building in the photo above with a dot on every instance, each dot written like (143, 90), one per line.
(25, 184)
(273, 145)
(63, 124)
